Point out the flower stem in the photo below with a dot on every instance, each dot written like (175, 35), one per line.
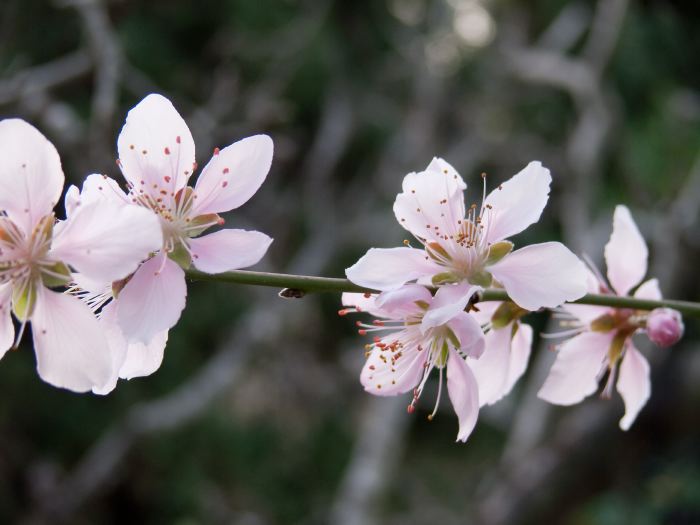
(299, 285)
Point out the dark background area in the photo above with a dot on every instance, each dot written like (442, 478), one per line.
(257, 415)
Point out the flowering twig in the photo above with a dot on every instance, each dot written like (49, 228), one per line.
(302, 284)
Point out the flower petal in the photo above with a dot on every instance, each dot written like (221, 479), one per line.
(7, 329)
(71, 351)
(469, 333)
(233, 175)
(633, 384)
(541, 275)
(389, 268)
(464, 394)
(577, 368)
(363, 303)
(107, 241)
(626, 252)
(517, 203)
(584, 312)
(389, 373)
(401, 303)
(152, 300)
(520, 349)
(432, 202)
(449, 300)
(649, 290)
(228, 250)
(156, 149)
(491, 369)
(31, 178)
(102, 188)
(117, 345)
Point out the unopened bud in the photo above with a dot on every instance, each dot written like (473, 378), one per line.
(665, 327)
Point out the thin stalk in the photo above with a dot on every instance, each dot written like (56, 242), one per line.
(299, 285)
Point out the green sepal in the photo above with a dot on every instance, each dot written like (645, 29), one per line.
(617, 345)
(441, 359)
(482, 278)
(181, 256)
(437, 252)
(604, 323)
(453, 338)
(506, 313)
(201, 223)
(445, 278)
(498, 251)
(422, 305)
(23, 301)
(60, 275)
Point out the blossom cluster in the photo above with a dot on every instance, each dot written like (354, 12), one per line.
(102, 287)
(429, 313)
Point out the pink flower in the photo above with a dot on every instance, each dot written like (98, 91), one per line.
(463, 250)
(604, 343)
(665, 327)
(402, 359)
(507, 351)
(37, 254)
(156, 156)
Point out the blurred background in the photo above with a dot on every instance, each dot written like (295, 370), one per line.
(256, 416)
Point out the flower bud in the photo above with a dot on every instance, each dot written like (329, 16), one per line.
(665, 327)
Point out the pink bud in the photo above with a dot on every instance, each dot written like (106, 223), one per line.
(665, 327)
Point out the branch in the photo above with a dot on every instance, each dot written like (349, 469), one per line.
(295, 286)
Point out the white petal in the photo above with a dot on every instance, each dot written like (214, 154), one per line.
(7, 329)
(107, 241)
(100, 188)
(491, 369)
(31, 178)
(633, 384)
(384, 374)
(520, 349)
(541, 275)
(464, 394)
(517, 203)
(152, 300)
(142, 360)
(486, 311)
(649, 290)
(389, 268)
(71, 350)
(228, 250)
(233, 175)
(432, 203)
(156, 149)
(363, 303)
(449, 300)
(626, 252)
(469, 333)
(576, 371)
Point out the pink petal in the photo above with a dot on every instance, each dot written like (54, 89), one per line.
(633, 384)
(432, 202)
(71, 351)
(156, 149)
(541, 275)
(233, 175)
(583, 312)
(626, 253)
(117, 345)
(102, 188)
(577, 368)
(229, 249)
(486, 311)
(31, 178)
(649, 290)
(517, 203)
(401, 303)
(389, 268)
(469, 333)
(464, 394)
(7, 329)
(363, 303)
(107, 241)
(382, 376)
(492, 368)
(151, 302)
(449, 300)
(520, 349)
